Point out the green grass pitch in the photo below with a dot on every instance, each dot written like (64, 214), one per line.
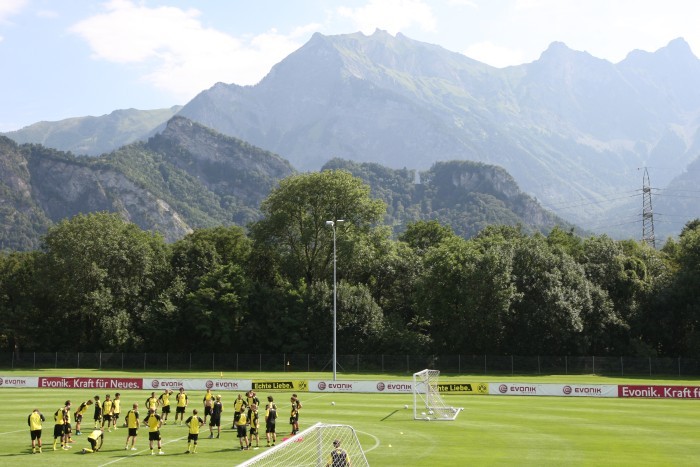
(492, 430)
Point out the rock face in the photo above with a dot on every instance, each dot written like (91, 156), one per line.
(467, 196)
(65, 189)
(187, 177)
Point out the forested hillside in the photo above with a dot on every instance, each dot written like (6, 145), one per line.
(466, 196)
(102, 284)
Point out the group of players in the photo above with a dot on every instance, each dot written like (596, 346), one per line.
(246, 420)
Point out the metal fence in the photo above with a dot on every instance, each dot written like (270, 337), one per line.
(406, 364)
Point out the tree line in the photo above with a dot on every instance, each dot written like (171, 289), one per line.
(99, 283)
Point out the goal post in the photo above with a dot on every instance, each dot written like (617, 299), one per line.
(313, 447)
(428, 404)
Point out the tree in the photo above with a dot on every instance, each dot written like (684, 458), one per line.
(295, 215)
(105, 284)
(422, 235)
(19, 318)
(553, 298)
(465, 294)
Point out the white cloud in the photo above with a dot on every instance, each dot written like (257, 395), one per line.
(494, 55)
(391, 15)
(181, 56)
(10, 7)
(469, 3)
(47, 14)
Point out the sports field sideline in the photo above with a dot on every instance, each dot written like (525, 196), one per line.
(513, 430)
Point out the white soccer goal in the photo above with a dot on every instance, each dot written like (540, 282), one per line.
(427, 401)
(314, 447)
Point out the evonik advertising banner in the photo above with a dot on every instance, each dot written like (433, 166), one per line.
(18, 381)
(197, 384)
(660, 392)
(387, 387)
(61, 382)
(560, 390)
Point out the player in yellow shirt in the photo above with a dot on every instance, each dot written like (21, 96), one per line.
(181, 405)
(339, 456)
(59, 427)
(164, 402)
(34, 421)
(152, 402)
(241, 428)
(194, 423)
(152, 420)
(79, 412)
(132, 424)
(95, 439)
(239, 407)
(208, 401)
(107, 412)
(116, 409)
(254, 421)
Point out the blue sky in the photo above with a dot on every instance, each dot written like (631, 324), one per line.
(72, 58)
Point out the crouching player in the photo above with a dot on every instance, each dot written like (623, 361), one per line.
(95, 439)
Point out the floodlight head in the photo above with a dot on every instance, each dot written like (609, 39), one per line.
(329, 223)
(340, 220)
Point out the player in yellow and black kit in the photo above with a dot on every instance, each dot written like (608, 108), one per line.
(34, 421)
(152, 420)
(79, 412)
(107, 412)
(339, 456)
(98, 412)
(270, 421)
(164, 402)
(95, 439)
(239, 407)
(181, 405)
(294, 415)
(254, 421)
(116, 409)
(241, 428)
(194, 423)
(59, 428)
(152, 402)
(250, 399)
(132, 424)
(208, 401)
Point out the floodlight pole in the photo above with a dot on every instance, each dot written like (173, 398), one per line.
(332, 224)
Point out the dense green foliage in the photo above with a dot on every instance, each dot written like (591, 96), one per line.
(100, 283)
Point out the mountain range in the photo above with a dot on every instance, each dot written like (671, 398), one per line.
(572, 130)
(189, 176)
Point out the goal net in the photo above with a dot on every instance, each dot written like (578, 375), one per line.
(427, 401)
(319, 445)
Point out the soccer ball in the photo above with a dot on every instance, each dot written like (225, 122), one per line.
(430, 412)
(332, 403)
(405, 406)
